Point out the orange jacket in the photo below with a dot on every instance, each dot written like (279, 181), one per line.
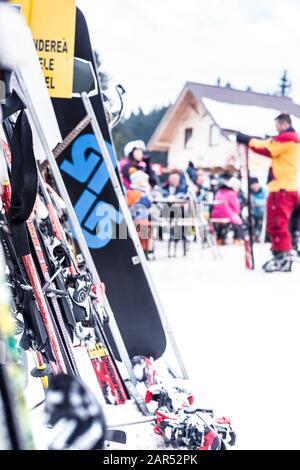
(133, 196)
(284, 150)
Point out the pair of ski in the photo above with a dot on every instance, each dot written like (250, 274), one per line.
(25, 275)
(150, 327)
(57, 329)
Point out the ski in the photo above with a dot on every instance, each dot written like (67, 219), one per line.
(248, 236)
(11, 196)
(108, 378)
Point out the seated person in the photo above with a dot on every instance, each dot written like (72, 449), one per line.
(139, 202)
(229, 208)
(175, 185)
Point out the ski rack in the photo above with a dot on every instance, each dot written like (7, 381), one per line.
(200, 221)
(75, 224)
(131, 227)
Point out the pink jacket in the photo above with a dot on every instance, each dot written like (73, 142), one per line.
(231, 207)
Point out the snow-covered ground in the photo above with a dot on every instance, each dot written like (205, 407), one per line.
(238, 332)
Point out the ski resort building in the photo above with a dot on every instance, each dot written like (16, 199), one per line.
(201, 124)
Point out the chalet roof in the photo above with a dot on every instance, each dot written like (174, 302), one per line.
(229, 108)
(251, 98)
(250, 119)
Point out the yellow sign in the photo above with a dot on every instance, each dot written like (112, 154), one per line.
(52, 23)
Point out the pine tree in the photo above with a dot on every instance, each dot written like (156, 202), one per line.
(103, 76)
(285, 85)
(139, 126)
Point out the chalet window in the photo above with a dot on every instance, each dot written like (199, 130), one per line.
(188, 137)
(214, 135)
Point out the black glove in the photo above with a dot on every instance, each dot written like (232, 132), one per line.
(146, 158)
(243, 138)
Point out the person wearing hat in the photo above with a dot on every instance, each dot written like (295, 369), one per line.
(258, 204)
(228, 208)
(135, 159)
(283, 198)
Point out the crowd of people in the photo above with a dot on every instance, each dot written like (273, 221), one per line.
(225, 197)
(221, 195)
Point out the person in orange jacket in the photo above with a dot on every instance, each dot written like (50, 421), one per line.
(139, 203)
(284, 151)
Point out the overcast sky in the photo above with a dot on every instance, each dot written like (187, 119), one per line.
(153, 47)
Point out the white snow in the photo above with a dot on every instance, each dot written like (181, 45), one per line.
(252, 120)
(238, 331)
